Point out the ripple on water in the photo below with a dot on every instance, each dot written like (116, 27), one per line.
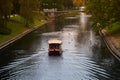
(84, 66)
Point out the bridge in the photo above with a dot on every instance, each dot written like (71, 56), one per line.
(52, 13)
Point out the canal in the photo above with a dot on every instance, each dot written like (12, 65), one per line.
(84, 57)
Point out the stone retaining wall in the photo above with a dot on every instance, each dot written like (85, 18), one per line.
(110, 45)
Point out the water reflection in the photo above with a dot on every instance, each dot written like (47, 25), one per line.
(84, 57)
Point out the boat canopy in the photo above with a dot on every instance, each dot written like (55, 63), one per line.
(54, 41)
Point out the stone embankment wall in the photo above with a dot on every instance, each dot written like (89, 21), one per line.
(110, 43)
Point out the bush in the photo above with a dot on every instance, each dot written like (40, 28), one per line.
(114, 28)
(5, 31)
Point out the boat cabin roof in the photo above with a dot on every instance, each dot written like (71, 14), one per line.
(54, 41)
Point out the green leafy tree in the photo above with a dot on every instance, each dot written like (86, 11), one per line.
(27, 8)
(5, 12)
(49, 4)
(5, 9)
(104, 12)
(16, 7)
(68, 4)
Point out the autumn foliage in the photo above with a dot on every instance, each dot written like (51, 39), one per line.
(78, 3)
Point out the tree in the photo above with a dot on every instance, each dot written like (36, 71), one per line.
(5, 11)
(78, 3)
(68, 4)
(16, 7)
(104, 12)
(49, 4)
(27, 8)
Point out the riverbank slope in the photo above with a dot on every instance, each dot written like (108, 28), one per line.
(16, 25)
(112, 42)
(20, 35)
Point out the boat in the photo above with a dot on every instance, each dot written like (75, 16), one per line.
(55, 47)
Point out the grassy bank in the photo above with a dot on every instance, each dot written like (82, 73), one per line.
(17, 25)
(114, 28)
